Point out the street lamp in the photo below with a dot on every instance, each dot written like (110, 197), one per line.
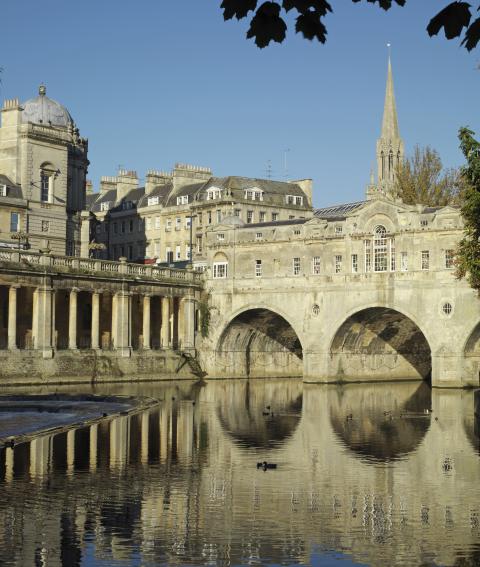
(191, 217)
(21, 236)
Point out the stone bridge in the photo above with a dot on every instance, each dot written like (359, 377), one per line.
(371, 318)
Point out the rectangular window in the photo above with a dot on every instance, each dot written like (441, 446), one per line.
(123, 227)
(296, 266)
(368, 255)
(237, 212)
(262, 215)
(299, 201)
(393, 262)
(209, 217)
(274, 217)
(289, 199)
(130, 225)
(157, 222)
(297, 232)
(178, 223)
(221, 236)
(200, 218)
(219, 215)
(178, 252)
(182, 200)
(115, 228)
(105, 206)
(424, 222)
(169, 255)
(46, 225)
(139, 225)
(152, 201)
(130, 251)
(3, 190)
(259, 236)
(188, 252)
(404, 261)
(44, 187)
(249, 217)
(338, 263)
(338, 229)
(449, 259)
(425, 263)
(168, 226)
(220, 270)
(354, 263)
(14, 222)
(199, 243)
(258, 268)
(188, 222)
(316, 265)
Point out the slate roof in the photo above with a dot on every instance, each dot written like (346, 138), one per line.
(189, 190)
(13, 191)
(338, 212)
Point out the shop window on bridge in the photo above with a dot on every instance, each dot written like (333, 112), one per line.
(220, 270)
(258, 268)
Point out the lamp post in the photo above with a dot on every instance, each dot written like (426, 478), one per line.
(191, 217)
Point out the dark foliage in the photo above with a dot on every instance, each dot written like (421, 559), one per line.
(268, 20)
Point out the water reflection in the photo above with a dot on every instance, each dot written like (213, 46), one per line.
(178, 484)
(381, 424)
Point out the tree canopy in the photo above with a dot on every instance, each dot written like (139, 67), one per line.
(468, 252)
(423, 179)
(268, 20)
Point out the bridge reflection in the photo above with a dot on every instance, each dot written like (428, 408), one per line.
(178, 484)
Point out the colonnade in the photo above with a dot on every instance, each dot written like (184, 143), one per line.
(96, 319)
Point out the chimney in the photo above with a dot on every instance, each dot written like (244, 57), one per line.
(306, 185)
(107, 182)
(155, 178)
(126, 181)
(89, 186)
(186, 174)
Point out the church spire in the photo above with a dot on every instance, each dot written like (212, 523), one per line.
(390, 150)
(390, 119)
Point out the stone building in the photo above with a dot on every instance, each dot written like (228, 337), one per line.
(154, 222)
(43, 168)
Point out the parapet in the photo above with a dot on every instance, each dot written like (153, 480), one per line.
(11, 103)
(193, 168)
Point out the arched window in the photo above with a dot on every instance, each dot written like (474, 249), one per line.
(390, 164)
(47, 176)
(380, 249)
(382, 159)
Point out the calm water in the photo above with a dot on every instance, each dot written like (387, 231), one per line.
(365, 476)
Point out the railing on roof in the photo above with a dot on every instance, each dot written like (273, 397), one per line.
(95, 266)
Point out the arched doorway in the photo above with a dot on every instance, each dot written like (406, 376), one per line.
(260, 343)
(379, 343)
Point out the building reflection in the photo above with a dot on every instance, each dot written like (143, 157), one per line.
(178, 484)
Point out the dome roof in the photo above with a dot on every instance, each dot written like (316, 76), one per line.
(44, 110)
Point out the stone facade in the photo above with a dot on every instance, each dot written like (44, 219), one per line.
(43, 168)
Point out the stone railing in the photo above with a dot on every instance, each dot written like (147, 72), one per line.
(94, 266)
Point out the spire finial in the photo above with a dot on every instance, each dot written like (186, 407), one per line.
(42, 90)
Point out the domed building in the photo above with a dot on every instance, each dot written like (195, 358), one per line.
(43, 170)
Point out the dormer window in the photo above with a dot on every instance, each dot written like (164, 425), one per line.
(3, 190)
(293, 200)
(339, 229)
(152, 201)
(213, 193)
(254, 194)
(127, 205)
(105, 206)
(182, 200)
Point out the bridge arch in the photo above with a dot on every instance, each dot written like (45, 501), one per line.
(260, 341)
(380, 343)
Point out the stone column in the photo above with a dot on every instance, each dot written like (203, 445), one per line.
(166, 336)
(12, 317)
(72, 319)
(113, 337)
(146, 322)
(122, 323)
(95, 320)
(44, 320)
(188, 313)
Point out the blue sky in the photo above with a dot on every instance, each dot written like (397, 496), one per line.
(153, 82)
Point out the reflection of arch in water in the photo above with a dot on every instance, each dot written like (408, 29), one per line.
(472, 355)
(381, 422)
(260, 342)
(378, 343)
(243, 417)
